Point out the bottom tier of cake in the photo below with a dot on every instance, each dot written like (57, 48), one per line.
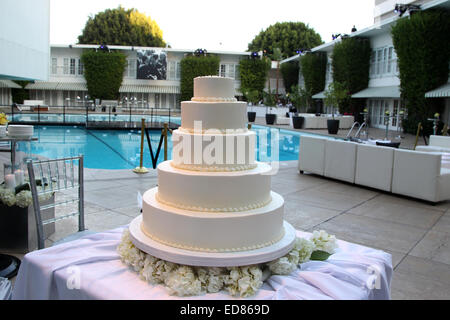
(212, 231)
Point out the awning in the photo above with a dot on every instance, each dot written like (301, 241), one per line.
(72, 86)
(9, 84)
(319, 95)
(378, 92)
(42, 85)
(441, 92)
(137, 88)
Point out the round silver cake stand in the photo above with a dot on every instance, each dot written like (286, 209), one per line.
(211, 259)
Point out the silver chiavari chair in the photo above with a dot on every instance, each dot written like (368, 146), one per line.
(52, 176)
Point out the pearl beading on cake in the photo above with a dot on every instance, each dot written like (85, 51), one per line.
(207, 209)
(213, 99)
(192, 248)
(225, 168)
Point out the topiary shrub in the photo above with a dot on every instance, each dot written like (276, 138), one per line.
(18, 95)
(253, 74)
(351, 63)
(193, 66)
(314, 67)
(423, 51)
(103, 72)
(289, 72)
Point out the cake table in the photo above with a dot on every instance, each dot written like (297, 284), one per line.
(353, 272)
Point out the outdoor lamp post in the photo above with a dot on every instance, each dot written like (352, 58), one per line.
(387, 117)
(435, 122)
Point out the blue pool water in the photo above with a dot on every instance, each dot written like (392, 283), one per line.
(120, 149)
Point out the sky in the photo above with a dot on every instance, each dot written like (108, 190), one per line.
(227, 25)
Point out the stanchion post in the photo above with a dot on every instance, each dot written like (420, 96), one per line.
(249, 126)
(165, 141)
(141, 169)
(417, 134)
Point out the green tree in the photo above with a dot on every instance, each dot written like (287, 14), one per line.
(288, 36)
(423, 50)
(336, 96)
(253, 74)
(122, 27)
(103, 72)
(18, 95)
(193, 66)
(351, 63)
(290, 71)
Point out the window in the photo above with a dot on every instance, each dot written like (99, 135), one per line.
(80, 67)
(72, 66)
(395, 113)
(130, 71)
(66, 66)
(174, 72)
(237, 73)
(383, 62)
(227, 70)
(54, 66)
(389, 64)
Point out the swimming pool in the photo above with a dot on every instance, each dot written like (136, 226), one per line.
(120, 149)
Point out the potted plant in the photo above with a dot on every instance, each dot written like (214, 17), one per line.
(17, 219)
(269, 101)
(252, 97)
(334, 96)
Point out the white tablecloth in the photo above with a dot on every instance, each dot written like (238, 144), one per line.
(93, 265)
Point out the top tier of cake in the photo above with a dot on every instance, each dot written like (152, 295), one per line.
(213, 88)
(213, 106)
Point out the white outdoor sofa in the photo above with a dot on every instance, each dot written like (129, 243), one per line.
(436, 144)
(411, 173)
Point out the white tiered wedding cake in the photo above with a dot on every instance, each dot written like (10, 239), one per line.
(213, 197)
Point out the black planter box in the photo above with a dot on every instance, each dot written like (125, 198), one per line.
(333, 126)
(297, 122)
(251, 115)
(18, 232)
(270, 118)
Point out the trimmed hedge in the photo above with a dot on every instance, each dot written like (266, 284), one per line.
(103, 72)
(351, 64)
(18, 95)
(196, 66)
(423, 51)
(314, 67)
(254, 74)
(290, 72)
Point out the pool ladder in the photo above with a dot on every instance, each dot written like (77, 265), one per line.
(358, 132)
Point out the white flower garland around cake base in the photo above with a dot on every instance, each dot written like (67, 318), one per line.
(244, 281)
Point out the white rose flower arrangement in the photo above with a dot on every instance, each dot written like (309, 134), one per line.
(243, 281)
(22, 199)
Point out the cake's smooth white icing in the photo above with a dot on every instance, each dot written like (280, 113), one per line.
(214, 87)
(214, 151)
(217, 232)
(214, 115)
(214, 191)
(218, 199)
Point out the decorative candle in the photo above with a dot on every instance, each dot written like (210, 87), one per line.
(19, 177)
(10, 181)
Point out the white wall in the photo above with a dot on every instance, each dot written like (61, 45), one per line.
(24, 39)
